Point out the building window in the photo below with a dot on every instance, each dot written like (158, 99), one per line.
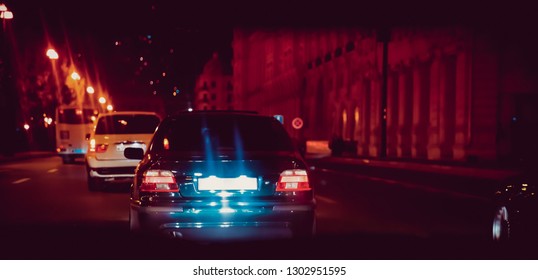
(213, 96)
(205, 97)
(344, 125)
(229, 86)
(338, 52)
(318, 61)
(213, 107)
(205, 85)
(310, 65)
(213, 84)
(350, 46)
(328, 57)
(230, 97)
(356, 123)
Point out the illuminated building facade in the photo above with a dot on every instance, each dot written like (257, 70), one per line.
(214, 88)
(452, 93)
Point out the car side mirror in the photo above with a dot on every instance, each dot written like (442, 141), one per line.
(134, 153)
(88, 136)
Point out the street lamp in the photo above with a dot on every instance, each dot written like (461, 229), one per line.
(52, 54)
(90, 90)
(109, 107)
(75, 76)
(8, 96)
(102, 100)
(5, 13)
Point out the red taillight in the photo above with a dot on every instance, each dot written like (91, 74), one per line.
(101, 148)
(98, 148)
(293, 180)
(158, 181)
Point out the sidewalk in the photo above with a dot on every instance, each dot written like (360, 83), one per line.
(26, 155)
(461, 169)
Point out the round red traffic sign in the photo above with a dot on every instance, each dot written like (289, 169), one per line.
(297, 123)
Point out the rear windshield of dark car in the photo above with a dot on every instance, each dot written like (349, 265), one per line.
(127, 124)
(221, 133)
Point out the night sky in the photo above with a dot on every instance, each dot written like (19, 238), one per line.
(194, 30)
(181, 41)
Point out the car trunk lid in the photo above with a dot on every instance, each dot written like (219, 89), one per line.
(253, 175)
(116, 144)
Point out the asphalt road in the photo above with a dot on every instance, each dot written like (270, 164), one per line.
(47, 212)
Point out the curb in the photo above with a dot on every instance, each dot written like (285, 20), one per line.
(433, 168)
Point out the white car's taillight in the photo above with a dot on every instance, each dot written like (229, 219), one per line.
(155, 180)
(92, 145)
(98, 148)
(293, 180)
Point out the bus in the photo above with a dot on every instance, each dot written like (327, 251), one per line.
(73, 126)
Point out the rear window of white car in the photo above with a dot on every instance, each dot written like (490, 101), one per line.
(127, 124)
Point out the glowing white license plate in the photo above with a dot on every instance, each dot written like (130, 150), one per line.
(213, 183)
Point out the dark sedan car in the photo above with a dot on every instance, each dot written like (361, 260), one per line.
(221, 176)
(517, 208)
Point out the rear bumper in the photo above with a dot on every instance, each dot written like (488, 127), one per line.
(221, 221)
(111, 169)
(72, 154)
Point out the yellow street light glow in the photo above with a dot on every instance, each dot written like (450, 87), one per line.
(75, 76)
(52, 54)
(109, 107)
(102, 100)
(6, 15)
(26, 126)
(90, 90)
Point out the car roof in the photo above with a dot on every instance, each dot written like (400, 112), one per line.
(62, 107)
(128, 113)
(214, 112)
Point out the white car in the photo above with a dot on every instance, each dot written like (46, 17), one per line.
(105, 162)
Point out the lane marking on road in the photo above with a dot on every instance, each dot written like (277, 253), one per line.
(21, 181)
(52, 170)
(408, 185)
(326, 199)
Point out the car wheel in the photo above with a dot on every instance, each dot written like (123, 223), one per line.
(134, 225)
(501, 225)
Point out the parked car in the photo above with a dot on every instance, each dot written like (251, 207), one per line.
(115, 131)
(218, 176)
(517, 208)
